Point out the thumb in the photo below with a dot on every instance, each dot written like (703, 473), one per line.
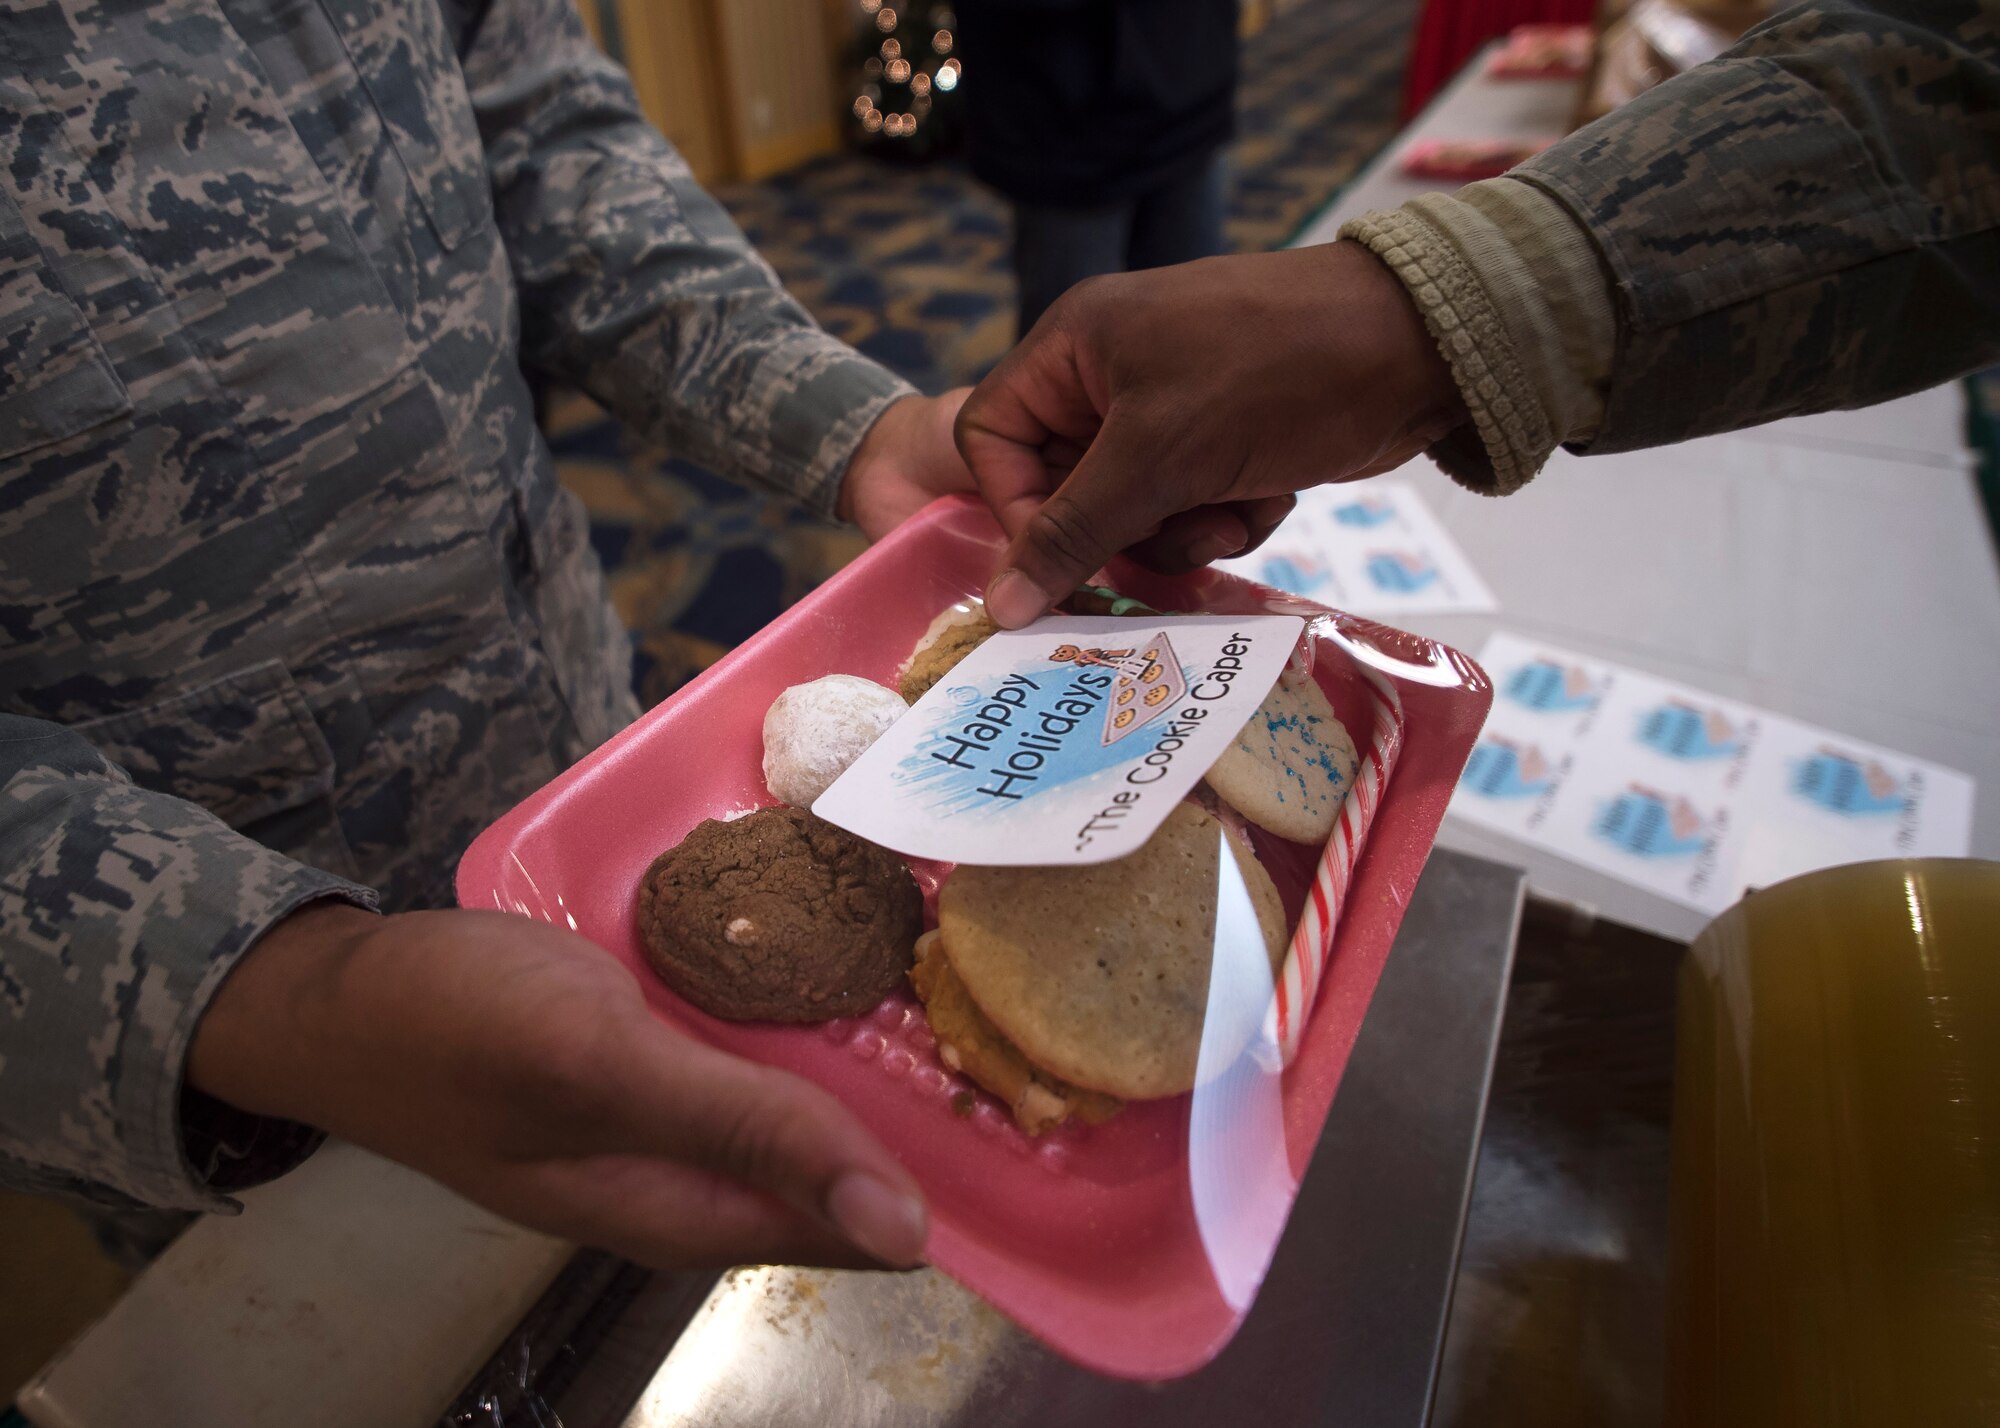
(1111, 500)
(774, 1132)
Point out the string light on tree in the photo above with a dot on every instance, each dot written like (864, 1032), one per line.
(905, 77)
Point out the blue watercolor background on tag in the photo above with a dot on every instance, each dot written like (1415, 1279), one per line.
(1681, 731)
(1301, 575)
(1545, 685)
(1642, 822)
(1083, 754)
(1495, 771)
(1399, 572)
(1840, 784)
(1366, 512)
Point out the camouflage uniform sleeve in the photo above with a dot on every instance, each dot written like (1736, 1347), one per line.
(1767, 227)
(121, 912)
(636, 286)
(1514, 294)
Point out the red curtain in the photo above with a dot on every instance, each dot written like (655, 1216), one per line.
(1450, 32)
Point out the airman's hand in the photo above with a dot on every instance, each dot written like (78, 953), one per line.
(1173, 412)
(518, 1064)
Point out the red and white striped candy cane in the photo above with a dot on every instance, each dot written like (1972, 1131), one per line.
(1312, 942)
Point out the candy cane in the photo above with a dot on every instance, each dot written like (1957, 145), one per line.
(1312, 942)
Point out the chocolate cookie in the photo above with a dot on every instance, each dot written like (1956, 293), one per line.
(779, 917)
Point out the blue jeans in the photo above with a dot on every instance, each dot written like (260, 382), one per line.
(1177, 222)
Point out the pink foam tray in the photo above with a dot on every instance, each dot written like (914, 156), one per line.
(1111, 1243)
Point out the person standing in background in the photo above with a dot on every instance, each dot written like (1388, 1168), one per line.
(1104, 123)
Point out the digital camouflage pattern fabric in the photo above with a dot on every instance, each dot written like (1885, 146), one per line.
(1810, 221)
(291, 603)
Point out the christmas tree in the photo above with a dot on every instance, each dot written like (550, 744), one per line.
(906, 79)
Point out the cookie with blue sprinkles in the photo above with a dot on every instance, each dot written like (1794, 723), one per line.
(1290, 767)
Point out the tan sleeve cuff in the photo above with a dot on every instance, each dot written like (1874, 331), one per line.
(1516, 296)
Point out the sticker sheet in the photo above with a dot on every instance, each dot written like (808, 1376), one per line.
(1067, 742)
(1690, 796)
(1372, 547)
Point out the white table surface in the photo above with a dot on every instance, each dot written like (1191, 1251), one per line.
(1835, 568)
(352, 1293)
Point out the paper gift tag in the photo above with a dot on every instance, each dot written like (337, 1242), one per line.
(1067, 742)
(1685, 794)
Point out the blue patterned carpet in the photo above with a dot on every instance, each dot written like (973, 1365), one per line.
(910, 265)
